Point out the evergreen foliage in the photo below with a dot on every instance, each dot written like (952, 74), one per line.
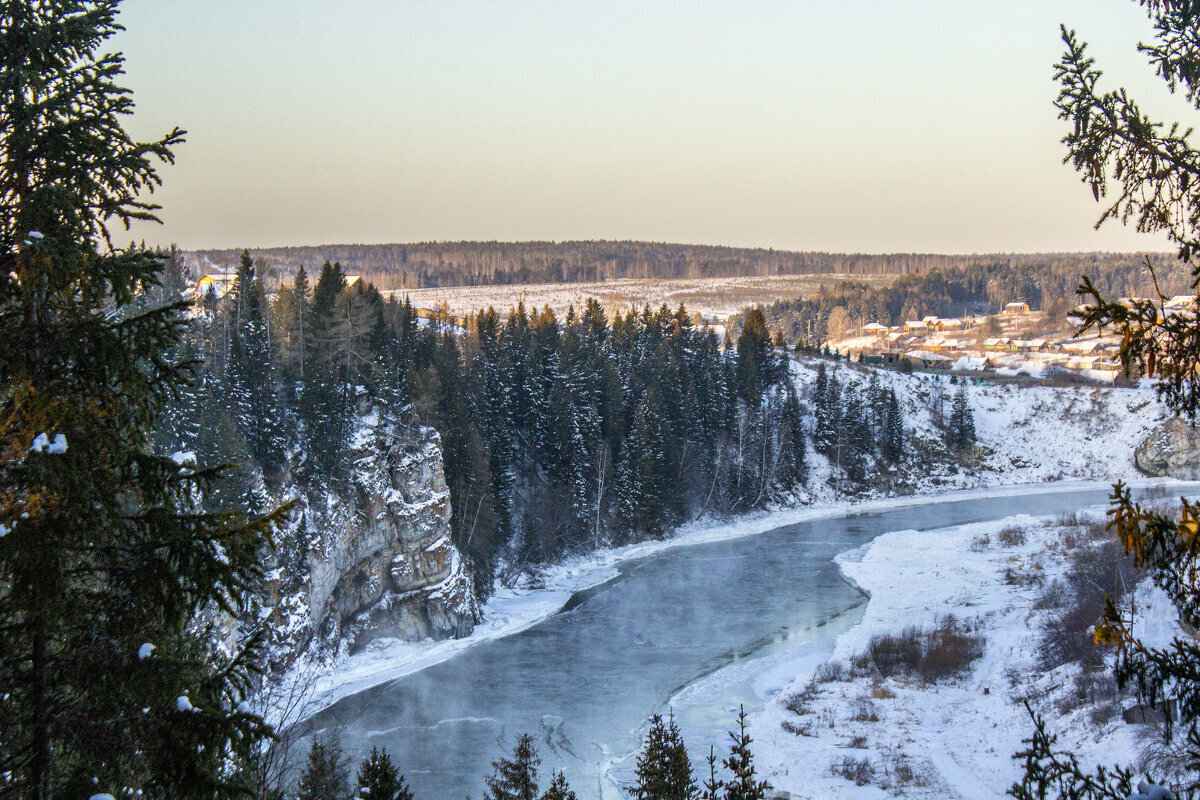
(515, 778)
(1146, 174)
(960, 428)
(742, 784)
(558, 789)
(664, 771)
(326, 774)
(124, 693)
(378, 779)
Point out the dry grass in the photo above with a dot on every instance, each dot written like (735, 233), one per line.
(935, 654)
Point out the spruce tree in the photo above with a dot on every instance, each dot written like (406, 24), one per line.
(250, 380)
(757, 365)
(326, 774)
(742, 783)
(515, 778)
(641, 490)
(960, 431)
(108, 568)
(892, 442)
(712, 786)
(558, 789)
(378, 779)
(664, 771)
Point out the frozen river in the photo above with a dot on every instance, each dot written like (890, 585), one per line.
(698, 629)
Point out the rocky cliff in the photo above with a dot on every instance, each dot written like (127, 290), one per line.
(1172, 450)
(373, 559)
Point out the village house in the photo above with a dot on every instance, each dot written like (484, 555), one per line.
(219, 282)
(997, 344)
(924, 359)
(1016, 308)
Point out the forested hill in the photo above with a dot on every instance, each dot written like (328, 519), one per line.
(434, 264)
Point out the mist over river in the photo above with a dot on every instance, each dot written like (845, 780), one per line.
(697, 629)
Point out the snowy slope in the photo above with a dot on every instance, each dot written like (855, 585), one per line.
(1027, 434)
(954, 739)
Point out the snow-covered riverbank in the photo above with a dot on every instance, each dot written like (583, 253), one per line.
(510, 611)
(859, 736)
(1051, 439)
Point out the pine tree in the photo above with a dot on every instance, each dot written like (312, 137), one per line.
(515, 778)
(742, 784)
(378, 779)
(108, 569)
(326, 774)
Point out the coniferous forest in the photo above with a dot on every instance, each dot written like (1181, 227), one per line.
(558, 435)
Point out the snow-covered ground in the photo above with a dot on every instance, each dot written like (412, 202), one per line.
(1058, 439)
(951, 739)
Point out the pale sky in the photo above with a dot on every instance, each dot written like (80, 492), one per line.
(840, 125)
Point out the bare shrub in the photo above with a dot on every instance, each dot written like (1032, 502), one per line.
(900, 772)
(881, 692)
(944, 651)
(1095, 687)
(863, 711)
(894, 654)
(1096, 570)
(857, 743)
(831, 671)
(1069, 519)
(980, 544)
(1012, 537)
(801, 702)
(803, 729)
(858, 770)
(1025, 578)
(1054, 595)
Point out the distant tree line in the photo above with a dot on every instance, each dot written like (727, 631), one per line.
(442, 264)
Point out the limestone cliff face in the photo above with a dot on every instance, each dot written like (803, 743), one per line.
(1172, 450)
(383, 564)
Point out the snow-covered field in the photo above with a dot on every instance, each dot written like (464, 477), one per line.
(711, 297)
(1057, 439)
(951, 739)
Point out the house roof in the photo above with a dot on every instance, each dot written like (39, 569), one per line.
(925, 355)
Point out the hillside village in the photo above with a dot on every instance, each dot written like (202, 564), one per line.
(1017, 341)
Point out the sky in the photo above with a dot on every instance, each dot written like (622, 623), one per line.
(837, 125)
